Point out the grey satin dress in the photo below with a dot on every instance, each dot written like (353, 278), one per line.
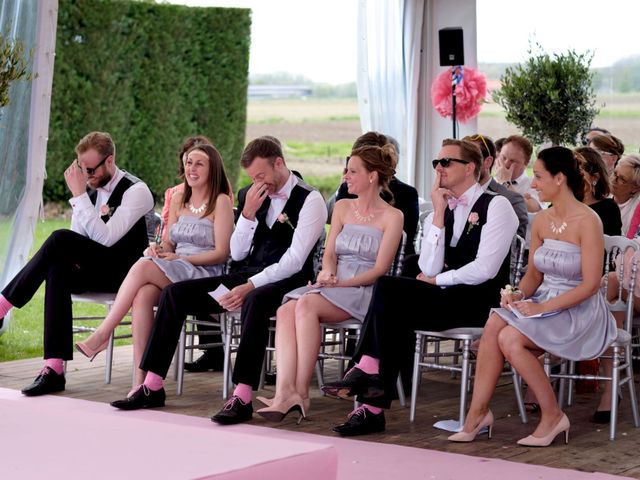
(581, 332)
(191, 235)
(357, 249)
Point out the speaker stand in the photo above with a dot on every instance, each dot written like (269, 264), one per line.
(454, 81)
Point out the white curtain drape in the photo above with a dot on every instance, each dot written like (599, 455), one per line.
(397, 62)
(24, 125)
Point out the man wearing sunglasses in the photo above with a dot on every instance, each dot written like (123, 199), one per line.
(464, 263)
(108, 234)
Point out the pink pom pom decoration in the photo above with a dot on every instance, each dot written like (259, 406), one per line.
(471, 90)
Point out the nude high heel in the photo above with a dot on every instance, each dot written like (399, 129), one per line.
(90, 353)
(465, 437)
(562, 427)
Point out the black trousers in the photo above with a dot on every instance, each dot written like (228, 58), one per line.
(399, 306)
(68, 263)
(191, 298)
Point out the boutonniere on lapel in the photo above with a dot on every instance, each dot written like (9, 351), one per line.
(284, 218)
(474, 219)
(106, 210)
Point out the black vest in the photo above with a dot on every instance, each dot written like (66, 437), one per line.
(130, 247)
(269, 244)
(467, 248)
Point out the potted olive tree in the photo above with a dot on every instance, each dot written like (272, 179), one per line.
(549, 98)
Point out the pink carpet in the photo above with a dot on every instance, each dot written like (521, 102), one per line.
(93, 440)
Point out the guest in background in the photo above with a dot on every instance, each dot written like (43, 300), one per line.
(562, 284)
(592, 132)
(201, 223)
(610, 149)
(511, 169)
(597, 190)
(363, 240)
(625, 186)
(399, 194)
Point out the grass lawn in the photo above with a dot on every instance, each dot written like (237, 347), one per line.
(23, 338)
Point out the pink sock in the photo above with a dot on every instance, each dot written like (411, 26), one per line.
(153, 382)
(243, 392)
(374, 410)
(5, 306)
(55, 364)
(369, 365)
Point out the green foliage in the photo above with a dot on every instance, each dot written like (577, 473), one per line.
(13, 66)
(150, 75)
(549, 98)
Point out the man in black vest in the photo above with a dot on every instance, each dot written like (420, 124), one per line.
(108, 235)
(463, 265)
(278, 223)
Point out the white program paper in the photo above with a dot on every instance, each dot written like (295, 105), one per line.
(220, 292)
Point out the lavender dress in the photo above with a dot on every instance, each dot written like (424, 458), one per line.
(581, 332)
(357, 249)
(191, 235)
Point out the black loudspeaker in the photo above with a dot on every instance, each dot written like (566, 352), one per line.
(451, 46)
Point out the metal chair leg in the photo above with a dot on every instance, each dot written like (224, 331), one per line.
(414, 378)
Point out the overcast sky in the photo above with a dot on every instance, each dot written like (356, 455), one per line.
(318, 38)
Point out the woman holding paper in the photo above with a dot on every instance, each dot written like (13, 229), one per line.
(362, 242)
(195, 249)
(560, 308)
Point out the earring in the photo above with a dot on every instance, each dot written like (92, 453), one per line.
(371, 180)
(594, 183)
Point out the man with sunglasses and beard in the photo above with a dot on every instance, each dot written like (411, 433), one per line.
(108, 235)
(464, 262)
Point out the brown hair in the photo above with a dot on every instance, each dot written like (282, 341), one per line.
(99, 141)
(379, 159)
(187, 145)
(266, 147)
(469, 151)
(608, 143)
(593, 164)
(217, 182)
(524, 144)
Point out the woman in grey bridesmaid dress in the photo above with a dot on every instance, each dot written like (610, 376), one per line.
(364, 236)
(195, 249)
(559, 305)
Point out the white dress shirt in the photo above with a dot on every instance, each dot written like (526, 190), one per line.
(85, 219)
(495, 242)
(522, 185)
(311, 221)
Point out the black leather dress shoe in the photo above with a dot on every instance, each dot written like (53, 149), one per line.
(356, 382)
(48, 381)
(207, 361)
(603, 416)
(234, 411)
(360, 422)
(143, 397)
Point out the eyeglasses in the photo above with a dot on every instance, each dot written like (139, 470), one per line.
(445, 162)
(92, 170)
(618, 179)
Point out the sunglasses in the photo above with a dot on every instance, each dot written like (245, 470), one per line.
(445, 162)
(92, 170)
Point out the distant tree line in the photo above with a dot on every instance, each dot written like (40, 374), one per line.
(319, 90)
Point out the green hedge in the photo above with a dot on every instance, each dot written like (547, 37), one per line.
(150, 75)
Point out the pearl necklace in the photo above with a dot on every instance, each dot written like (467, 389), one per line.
(558, 230)
(360, 217)
(198, 210)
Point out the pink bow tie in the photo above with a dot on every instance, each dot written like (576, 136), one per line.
(454, 202)
(278, 196)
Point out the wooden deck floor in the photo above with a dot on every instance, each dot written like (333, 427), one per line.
(589, 448)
